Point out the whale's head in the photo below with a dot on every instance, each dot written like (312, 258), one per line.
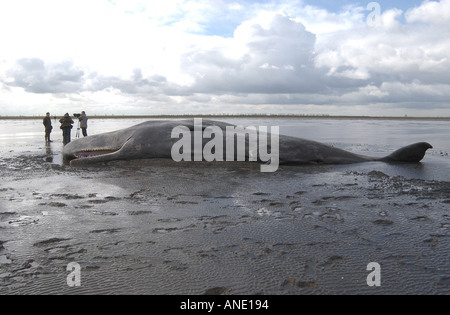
(98, 148)
(146, 140)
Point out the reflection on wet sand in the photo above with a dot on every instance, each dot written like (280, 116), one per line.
(48, 152)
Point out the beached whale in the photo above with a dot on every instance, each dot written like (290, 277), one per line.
(207, 140)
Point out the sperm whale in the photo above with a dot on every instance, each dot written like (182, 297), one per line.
(155, 139)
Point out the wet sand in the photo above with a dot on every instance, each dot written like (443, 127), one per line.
(160, 227)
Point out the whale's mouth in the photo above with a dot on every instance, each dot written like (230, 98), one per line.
(95, 152)
(93, 155)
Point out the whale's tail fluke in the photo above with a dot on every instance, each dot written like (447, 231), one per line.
(410, 154)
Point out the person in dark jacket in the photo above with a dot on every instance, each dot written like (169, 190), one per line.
(66, 126)
(48, 127)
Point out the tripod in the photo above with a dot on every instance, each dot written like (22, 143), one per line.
(78, 130)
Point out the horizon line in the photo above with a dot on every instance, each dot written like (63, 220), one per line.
(113, 116)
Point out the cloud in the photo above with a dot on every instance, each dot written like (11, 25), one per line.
(277, 55)
(395, 62)
(432, 12)
(393, 47)
(34, 76)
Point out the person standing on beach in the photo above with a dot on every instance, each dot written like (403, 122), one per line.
(66, 126)
(48, 127)
(83, 123)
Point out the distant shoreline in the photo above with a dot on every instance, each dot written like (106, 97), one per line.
(238, 116)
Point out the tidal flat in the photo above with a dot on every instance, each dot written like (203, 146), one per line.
(161, 227)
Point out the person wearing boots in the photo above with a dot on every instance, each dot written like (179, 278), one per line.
(83, 123)
(48, 127)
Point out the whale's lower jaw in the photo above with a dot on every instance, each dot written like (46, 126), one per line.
(87, 153)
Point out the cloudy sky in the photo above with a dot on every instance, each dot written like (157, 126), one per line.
(390, 57)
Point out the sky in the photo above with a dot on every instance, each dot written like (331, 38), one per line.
(169, 57)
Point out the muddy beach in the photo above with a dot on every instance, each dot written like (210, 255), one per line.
(160, 227)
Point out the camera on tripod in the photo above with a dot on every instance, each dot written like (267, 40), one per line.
(76, 115)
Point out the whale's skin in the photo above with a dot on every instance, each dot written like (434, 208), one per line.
(153, 140)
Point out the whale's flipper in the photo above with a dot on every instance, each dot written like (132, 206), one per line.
(411, 154)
